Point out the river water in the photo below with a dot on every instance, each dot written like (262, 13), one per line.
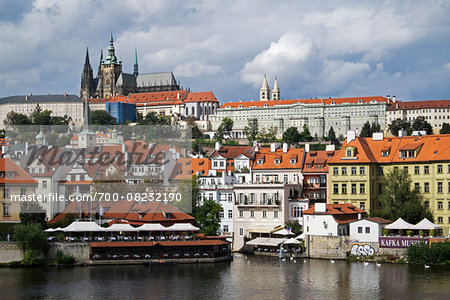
(246, 277)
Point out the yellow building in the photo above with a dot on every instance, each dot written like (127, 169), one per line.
(357, 170)
(15, 183)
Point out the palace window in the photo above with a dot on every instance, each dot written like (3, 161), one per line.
(440, 205)
(416, 170)
(353, 188)
(344, 188)
(440, 187)
(426, 170)
(353, 170)
(241, 213)
(264, 214)
(335, 171)
(362, 188)
(344, 171)
(439, 169)
(252, 214)
(426, 187)
(362, 170)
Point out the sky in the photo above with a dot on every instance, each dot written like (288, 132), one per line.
(316, 49)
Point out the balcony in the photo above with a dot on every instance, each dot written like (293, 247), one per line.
(260, 203)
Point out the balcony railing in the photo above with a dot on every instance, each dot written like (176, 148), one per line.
(267, 202)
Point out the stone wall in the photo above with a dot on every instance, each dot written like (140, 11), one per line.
(10, 252)
(80, 251)
(327, 246)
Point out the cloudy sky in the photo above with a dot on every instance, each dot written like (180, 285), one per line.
(335, 48)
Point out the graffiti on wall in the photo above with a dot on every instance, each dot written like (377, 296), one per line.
(363, 250)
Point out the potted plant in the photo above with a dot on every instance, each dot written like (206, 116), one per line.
(409, 233)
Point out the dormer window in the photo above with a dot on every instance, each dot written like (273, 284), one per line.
(360, 101)
(277, 161)
(240, 106)
(333, 102)
(259, 161)
(293, 161)
(385, 153)
(349, 152)
(167, 215)
(265, 105)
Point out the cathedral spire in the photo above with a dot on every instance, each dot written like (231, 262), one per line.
(264, 92)
(111, 58)
(276, 90)
(87, 78)
(136, 69)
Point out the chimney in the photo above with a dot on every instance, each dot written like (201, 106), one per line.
(285, 147)
(396, 105)
(273, 147)
(218, 146)
(388, 96)
(393, 99)
(359, 216)
(402, 133)
(351, 136)
(320, 207)
(307, 148)
(178, 96)
(377, 136)
(123, 148)
(330, 147)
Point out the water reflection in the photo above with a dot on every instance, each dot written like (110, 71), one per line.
(247, 277)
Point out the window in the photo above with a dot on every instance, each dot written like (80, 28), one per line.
(405, 169)
(264, 214)
(344, 170)
(426, 170)
(349, 152)
(353, 188)
(275, 213)
(252, 197)
(335, 171)
(367, 229)
(297, 212)
(230, 214)
(292, 161)
(258, 178)
(440, 220)
(416, 170)
(241, 213)
(260, 162)
(439, 187)
(241, 231)
(215, 164)
(426, 204)
(380, 170)
(362, 188)
(225, 228)
(362, 205)
(362, 170)
(277, 161)
(426, 187)
(285, 177)
(440, 205)
(230, 197)
(6, 193)
(23, 192)
(449, 187)
(360, 229)
(353, 170)
(5, 210)
(344, 188)
(439, 169)
(335, 188)
(252, 214)
(417, 186)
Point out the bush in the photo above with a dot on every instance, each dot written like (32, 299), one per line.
(436, 253)
(65, 260)
(29, 259)
(31, 237)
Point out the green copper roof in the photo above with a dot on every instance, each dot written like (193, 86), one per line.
(111, 58)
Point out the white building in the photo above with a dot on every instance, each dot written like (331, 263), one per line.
(434, 112)
(319, 115)
(330, 219)
(367, 230)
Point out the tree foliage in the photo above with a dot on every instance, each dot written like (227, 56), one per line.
(399, 200)
(305, 136)
(399, 124)
(102, 117)
(31, 237)
(368, 130)
(224, 129)
(153, 119)
(295, 226)
(268, 135)
(291, 135)
(32, 213)
(207, 217)
(37, 117)
(445, 128)
(331, 134)
(196, 133)
(251, 130)
(420, 124)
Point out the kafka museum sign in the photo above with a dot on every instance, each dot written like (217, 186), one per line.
(400, 242)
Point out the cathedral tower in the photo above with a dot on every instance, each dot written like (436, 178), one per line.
(87, 78)
(110, 70)
(276, 90)
(264, 92)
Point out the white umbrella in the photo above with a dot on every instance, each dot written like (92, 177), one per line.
(182, 227)
(121, 227)
(426, 224)
(283, 232)
(400, 224)
(292, 241)
(83, 227)
(301, 236)
(152, 227)
(49, 230)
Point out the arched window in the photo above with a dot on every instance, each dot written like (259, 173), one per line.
(193, 111)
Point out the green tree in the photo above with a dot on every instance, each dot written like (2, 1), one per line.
(251, 131)
(399, 200)
(31, 237)
(420, 124)
(305, 136)
(365, 130)
(196, 133)
(224, 129)
(445, 129)
(375, 128)
(102, 117)
(13, 118)
(207, 217)
(32, 213)
(291, 135)
(295, 226)
(399, 124)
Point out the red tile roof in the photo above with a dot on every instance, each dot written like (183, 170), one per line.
(326, 101)
(201, 97)
(12, 173)
(201, 165)
(268, 159)
(419, 105)
(336, 209)
(231, 152)
(316, 161)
